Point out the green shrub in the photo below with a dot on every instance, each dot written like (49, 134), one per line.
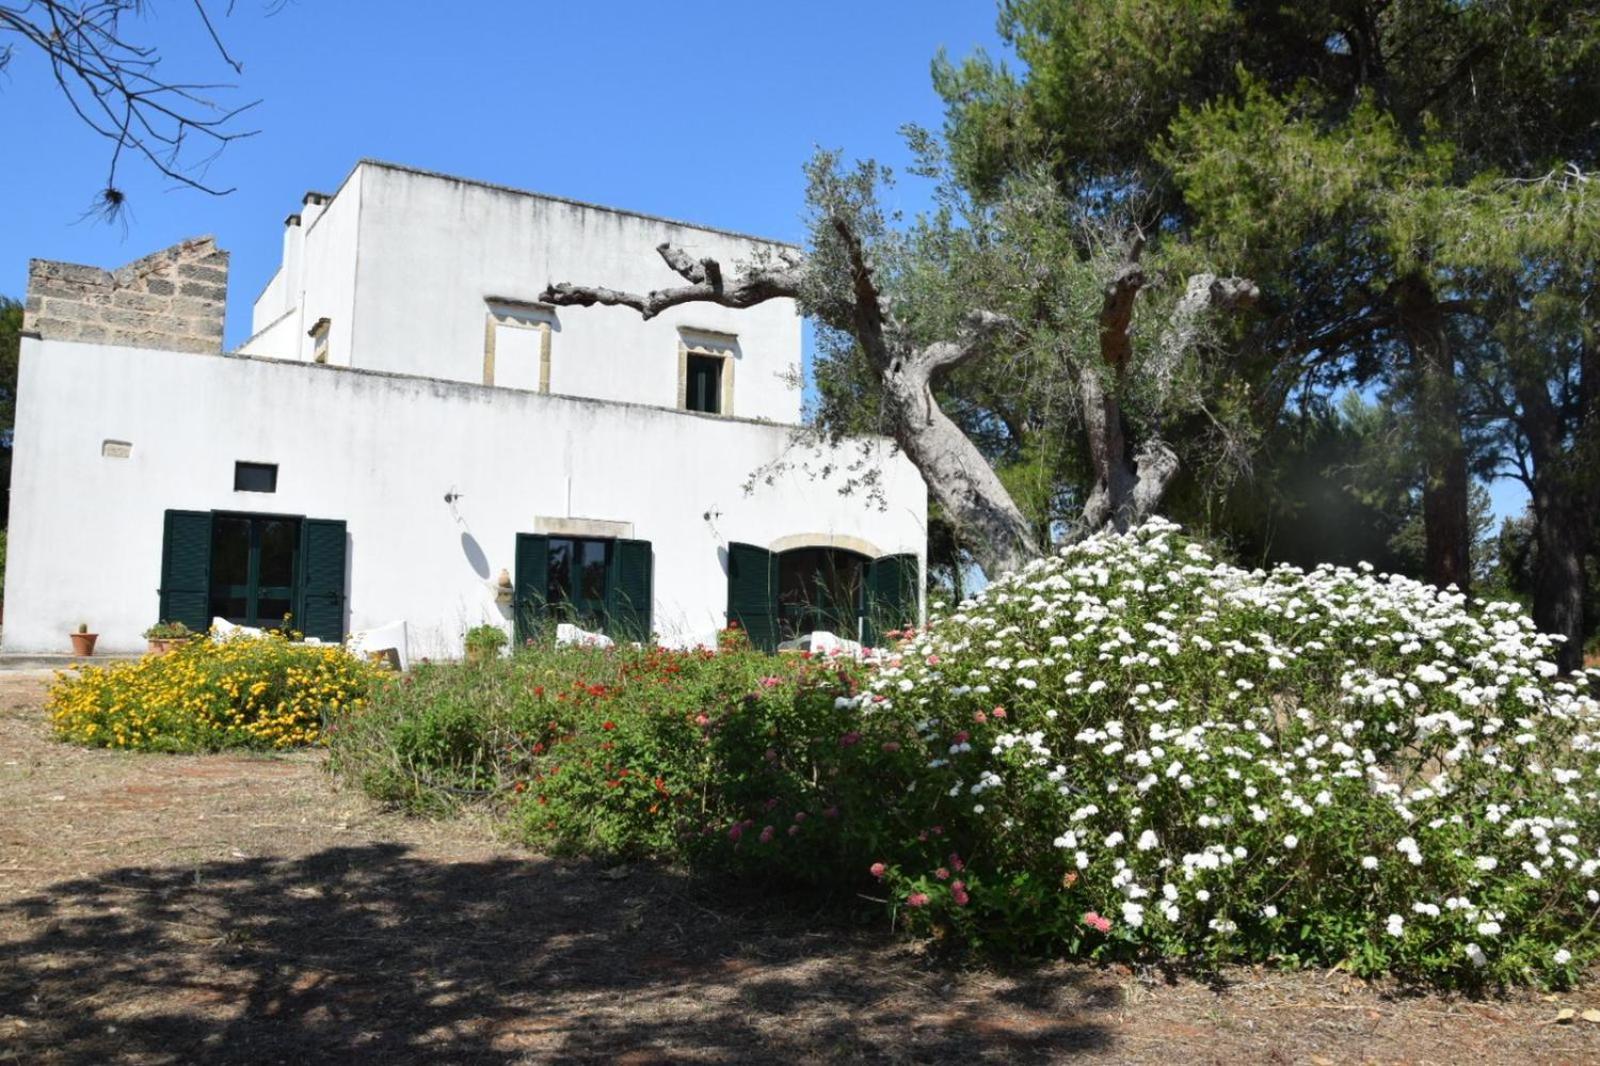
(623, 751)
(1127, 751)
(244, 692)
(1132, 749)
(485, 641)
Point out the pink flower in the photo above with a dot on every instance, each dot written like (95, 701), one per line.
(998, 712)
(933, 660)
(767, 834)
(877, 870)
(771, 682)
(891, 746)
(980, 717)
(1096, 922)
(962, 737)
(735, 831)
(917, 899)
(850, 739)
(772, 754)
(955, 861)
(800, 816)
(958, 892)
(942, 874)
(794, 830)
(701, 720)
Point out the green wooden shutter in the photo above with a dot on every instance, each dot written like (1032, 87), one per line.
(629, 589)
(752, 593)
(186, 569)
(322, 550)
(531, 584)
(892, 586)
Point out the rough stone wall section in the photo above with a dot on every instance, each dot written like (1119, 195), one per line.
(173, 299)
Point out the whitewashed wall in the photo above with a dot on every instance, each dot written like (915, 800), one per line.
(412, 258)
(380, 451)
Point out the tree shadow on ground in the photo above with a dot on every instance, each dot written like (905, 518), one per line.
(371, 951)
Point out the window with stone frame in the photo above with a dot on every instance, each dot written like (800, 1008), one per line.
(705, 371)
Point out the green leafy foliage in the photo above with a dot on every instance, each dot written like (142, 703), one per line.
(1127, 751)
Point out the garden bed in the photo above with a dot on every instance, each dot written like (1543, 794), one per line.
(239, 908)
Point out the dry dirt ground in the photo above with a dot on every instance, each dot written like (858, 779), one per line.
(159, 909)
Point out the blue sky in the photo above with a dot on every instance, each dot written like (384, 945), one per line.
(702, 112)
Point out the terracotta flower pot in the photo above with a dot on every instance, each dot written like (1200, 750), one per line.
(83, 643)
(163, 645)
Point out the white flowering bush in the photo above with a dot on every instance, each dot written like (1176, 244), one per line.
(1132, 749)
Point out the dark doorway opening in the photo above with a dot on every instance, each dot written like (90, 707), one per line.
(255, 562)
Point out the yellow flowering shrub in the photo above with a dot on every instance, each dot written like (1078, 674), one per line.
(243, 692)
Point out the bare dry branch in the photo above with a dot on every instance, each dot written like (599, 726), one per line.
(757, 284)
(117, 88)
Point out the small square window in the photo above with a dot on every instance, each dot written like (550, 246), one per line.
(703, 384)
(255, 477)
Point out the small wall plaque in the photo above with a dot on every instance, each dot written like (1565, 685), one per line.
(116, 449)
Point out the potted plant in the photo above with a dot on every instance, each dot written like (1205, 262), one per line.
(484, 643)
(164, 636)
(83, 640)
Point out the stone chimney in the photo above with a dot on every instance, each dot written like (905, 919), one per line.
(173, 299)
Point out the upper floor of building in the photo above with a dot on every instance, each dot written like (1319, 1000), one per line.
(418, 273)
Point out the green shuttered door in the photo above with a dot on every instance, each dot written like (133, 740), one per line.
(322, 554)
(186, 569)
(629, 590)
(892, 600)
(530, 585)
(752, 594)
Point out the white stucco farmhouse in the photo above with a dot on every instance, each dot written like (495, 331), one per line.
(409, 435)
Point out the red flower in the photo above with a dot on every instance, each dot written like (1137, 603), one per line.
(877, 870)
(608, 725)
(917, 899)
(942, 874)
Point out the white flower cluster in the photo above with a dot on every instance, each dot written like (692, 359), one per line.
(1246, 748)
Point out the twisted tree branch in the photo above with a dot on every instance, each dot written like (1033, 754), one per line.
(757, 284)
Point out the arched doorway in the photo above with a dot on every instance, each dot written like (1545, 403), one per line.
(820, 589)
(782, 595)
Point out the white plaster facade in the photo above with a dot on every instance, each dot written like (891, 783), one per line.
(408, 269)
